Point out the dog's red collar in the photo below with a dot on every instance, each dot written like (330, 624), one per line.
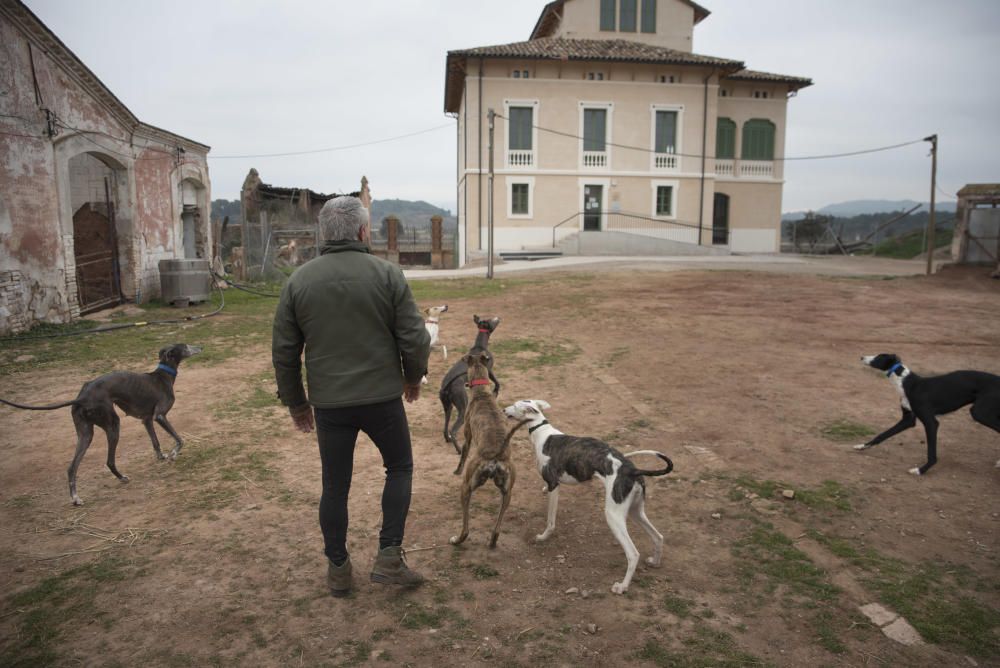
(432, 321)
(479, 381)
(484, 331)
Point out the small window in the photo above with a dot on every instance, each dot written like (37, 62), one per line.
(667, 78)
(723, 92)
(516, 74)
(649, 16)
(608, 14)
(664, 200)
(760, 94)
(524, 74)
(595, 76)
(519, 199)
(627, 20)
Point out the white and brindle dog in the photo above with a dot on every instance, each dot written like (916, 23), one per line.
(432, 317)
(924, 398)
(564, 459)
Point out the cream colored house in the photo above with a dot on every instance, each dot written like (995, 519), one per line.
(607, 121)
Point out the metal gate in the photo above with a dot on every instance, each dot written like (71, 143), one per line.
(984, 236)
(95, 244)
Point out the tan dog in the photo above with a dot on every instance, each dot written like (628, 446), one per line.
(487, 445)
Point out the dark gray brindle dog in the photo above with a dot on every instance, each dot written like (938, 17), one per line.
(574, 459)
(145, 396)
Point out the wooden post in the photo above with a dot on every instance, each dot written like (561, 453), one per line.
(933, 139)
(437, 254)
(489, 196)
(392, 245)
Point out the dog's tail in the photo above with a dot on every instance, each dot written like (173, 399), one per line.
(510, 434)
(50, 407)
(670, 464)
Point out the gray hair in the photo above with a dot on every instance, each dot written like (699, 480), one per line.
(342, 218)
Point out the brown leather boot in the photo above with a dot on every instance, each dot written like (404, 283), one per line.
(338, 578)
(390, 568)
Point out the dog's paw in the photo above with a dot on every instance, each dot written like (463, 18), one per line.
(160, 456)
(862, 446)
(653, 561)
(915, 471)
(542, 537)
(455, 540)
(77, 501)
(423, 381)
(998, 464)
(174, 453)
(618, 588)
(123, 479)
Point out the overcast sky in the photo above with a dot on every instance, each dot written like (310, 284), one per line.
(253, 77)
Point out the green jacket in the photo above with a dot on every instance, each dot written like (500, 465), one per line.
(362, 332)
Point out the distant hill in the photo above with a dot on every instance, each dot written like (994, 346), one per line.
(861, 207)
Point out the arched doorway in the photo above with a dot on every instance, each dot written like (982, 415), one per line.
(93, 202)
(720, 219)
(193, 240)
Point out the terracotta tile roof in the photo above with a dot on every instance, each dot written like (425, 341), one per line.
(552, 13)
(553, 48)
(558, 48)
(751, 75)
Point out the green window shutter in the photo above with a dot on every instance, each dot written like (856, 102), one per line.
(758, 139)
(649, 16)
(595, 127)
(725, 139)
(520, 128)
(664, 200)
(519, 199)
(666, 132)
(608, 15)
(628, 16)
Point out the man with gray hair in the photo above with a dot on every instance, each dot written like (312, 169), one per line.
(365, 347)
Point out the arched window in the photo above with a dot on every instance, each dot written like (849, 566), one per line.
(725, 139)
(758, 139)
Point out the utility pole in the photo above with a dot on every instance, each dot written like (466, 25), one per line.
(933, 139)
(489, 205)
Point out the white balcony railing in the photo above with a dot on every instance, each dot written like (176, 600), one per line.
(758, 169)
(666, 161)
(595, 159)
(520, 158)
(724, 167)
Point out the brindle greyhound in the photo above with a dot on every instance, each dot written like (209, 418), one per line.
(146, 396)
(452, 391)
(487, 438)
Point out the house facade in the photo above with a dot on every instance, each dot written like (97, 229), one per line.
(91, 198)
(607, 120)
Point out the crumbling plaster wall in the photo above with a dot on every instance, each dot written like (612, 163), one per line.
(36, 252)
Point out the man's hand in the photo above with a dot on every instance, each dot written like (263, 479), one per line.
(411, 392)
(302, 416)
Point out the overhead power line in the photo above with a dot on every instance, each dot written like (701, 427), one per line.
(645, 149)
(332, 148)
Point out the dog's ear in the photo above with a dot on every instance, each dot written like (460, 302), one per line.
(475, 319)
(531, 410)
(165, 353)
(469, 359)
(426, 312)
(544, 405)
(484, 358)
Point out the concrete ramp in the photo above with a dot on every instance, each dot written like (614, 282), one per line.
(624, 243)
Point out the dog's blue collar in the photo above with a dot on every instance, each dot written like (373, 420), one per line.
(541, 424)
(893, 368)
(170, 370)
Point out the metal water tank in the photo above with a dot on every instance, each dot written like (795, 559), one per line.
(182, 280)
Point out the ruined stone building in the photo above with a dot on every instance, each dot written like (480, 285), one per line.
(91, 198)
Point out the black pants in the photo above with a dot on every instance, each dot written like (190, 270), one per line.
(337, 428)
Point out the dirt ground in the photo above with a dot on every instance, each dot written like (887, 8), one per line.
(750, 382)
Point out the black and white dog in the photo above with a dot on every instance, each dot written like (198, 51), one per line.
(925, 398)
(575, 459)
